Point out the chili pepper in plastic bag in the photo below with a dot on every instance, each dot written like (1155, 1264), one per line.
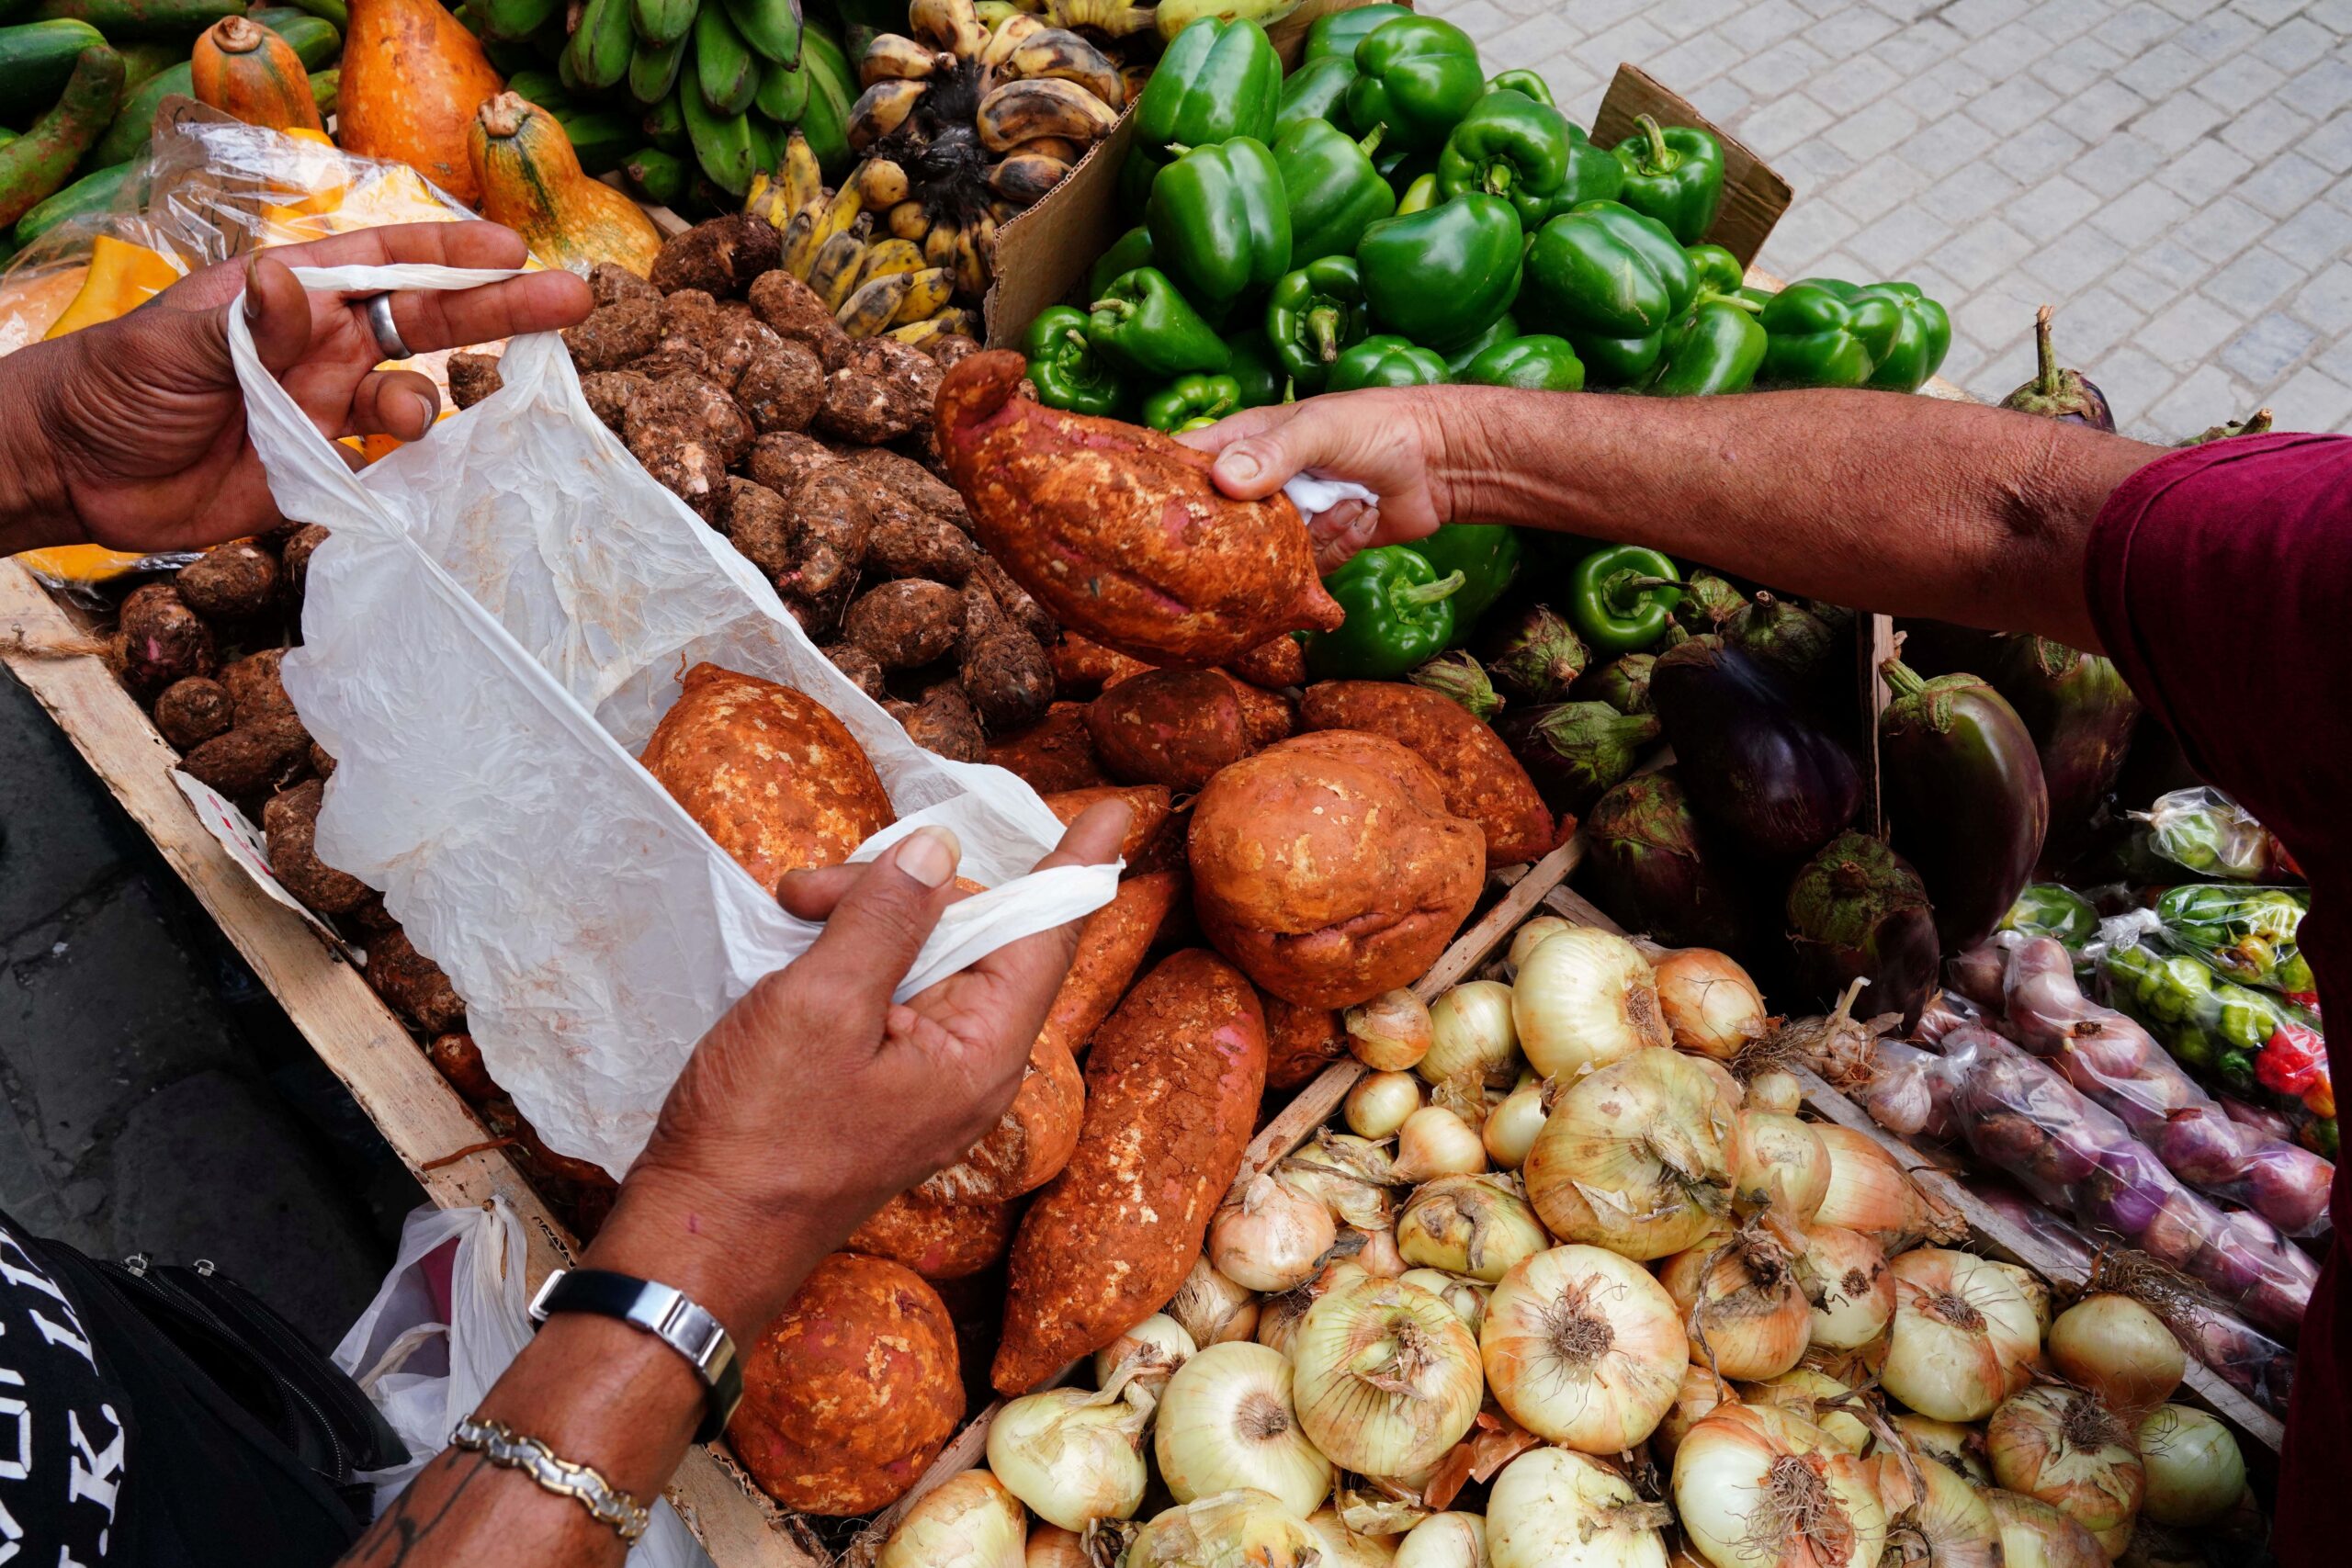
(2212, 835)
(2247, 934)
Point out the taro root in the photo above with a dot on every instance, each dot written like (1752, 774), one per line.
(944, 722)
(1003, 669)
(674, 357)
(320, 763)
(413, 983)
(951, 349)
(193, 711)
(906, 622)
(472, 378)
(610, 393)
(690, 317)
(781, 388)
(783, 460)
(830, 525)
(294, 559)
(1017, 601)
(882, 390)
(741, 341)
(687, 433)
(290, 826)
(924, 547)
(1119, 531)
(1329, 868)
(852, 1391)
(160, 641)
(459, 1061)
(1649, 865)
(772, 777)
(1055, 755)
(256, 688)
(252, 759)
(614, 334)
(720, 256)
(864, 670)
(754, 521)
(1176, 727)
(1858, 910)
(898, 488)
(937, 1238)
(796, 314)
(609, 283)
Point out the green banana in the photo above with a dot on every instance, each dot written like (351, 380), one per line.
(601, 138)
(600, 48)
(784, 93)
(665, 125)
(724, 65)
(514, 18)
(541, 88)
(662, 21)
(654, 70)
(833, 88)
(771, 28)
(767, 140)
(722, 143)
(659, 177)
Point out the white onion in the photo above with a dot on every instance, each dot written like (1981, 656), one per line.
(1695, 1397)
(1386, 1377)
(1868, 1191)
(2064, 1447)
(1957, 1447)
(1344, 1548)
(1444, 1541)
(1471, 1034)
(2119, 1349)
(1780, 1160)
(1435, 1142)
(2035, 1535)
(1280, 1315)
(1227, 1530)
(1226, 1422)
(1511, 1128)
(1531, 936)
(1963, 1338)
(1212, 1308)
(1375, 1252)
(1737, 1294)
(1158, 1346)
(1709, 1004)
(1350, 1173)
(1933, 1515)
(1273, 1237)
(1728, 1084)
(1380, 1102)
(1477, 1225)
(1555, 1508)
(1467, 1297)
(2195, 1472)
(1852, 1294)
(2033, 1288)
(1759, 1488)
(1583, 1348)
(1584, 997)
(1635, 1158)
(966, 1521)
(1776, 1089)
(1050, 1546)
(1074, 1455)
(1392, 1031)
(1817, 1396)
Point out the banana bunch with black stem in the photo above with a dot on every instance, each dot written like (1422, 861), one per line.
(876, 284)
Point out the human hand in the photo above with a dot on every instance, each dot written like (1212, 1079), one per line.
(134, 431)
(1386, 440)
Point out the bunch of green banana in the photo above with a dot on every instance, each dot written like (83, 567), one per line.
(874, 283)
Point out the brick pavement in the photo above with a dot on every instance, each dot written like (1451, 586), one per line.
(2175, 176)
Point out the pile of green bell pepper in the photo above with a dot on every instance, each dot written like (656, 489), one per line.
(1824, 331)
(1399, 616)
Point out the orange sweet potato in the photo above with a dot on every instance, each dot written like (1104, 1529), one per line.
(938, 1240)
(1266, 716)
(1172, 1090)
(852, 1391)
(1300, 1042)
(1082, 667)
(1175, 727)
(769, 773)
(1329, 868)
(1482, 780)
(1148, 810)
(1111, 946)
(1118, 530)
(1278, 662)
(1029, 1142)
(1053, 755)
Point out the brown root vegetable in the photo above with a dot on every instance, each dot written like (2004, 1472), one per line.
(614, 334)
(610, 393)
(1002, 668)
(1172, 1089)
(1329, 868)
(609, 283)
(882, 390)
(320, 763)
(721, 255)
(864, 670)
(459, 1061)
(922, 547)
(1149, 807)
(755, 522)
(255, 686)
(690, 317)
(412, 985)
(1031, 1141)
(1053, 754)
(743, 341)
(294, 558)
(254, 760)
(1111, 948)
(937, 1239)
(898, 488)
(232, 581)
(1084, 668)
(472, 378)
(781, 388)
(1176, 727)
(1119, 531)
(160, 641)
(944, 722)
(819, 615)
(1482, 780)
(772, 777)
(193, 711)
(687, 433)
(783, 460)
(1266, 716)
(290, 826)
(905, 623)
(951, 349)
(1274, 663)
(829, 527)
(1018, 602)
(676, 356)
(797, 315)
(1301, 1042)
(852, 1389)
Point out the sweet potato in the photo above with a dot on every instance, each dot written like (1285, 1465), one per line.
(1118, 530)
(1053, 755)
(160, 641)
(1483, 782)
(193, 711)
(1172, 1090)
(1084, 668)
(290, 826)
(1030, 1143)
(1329, 868)
(938, 1240)
(852, 1389)
(1300, 1042)
(412, 985)
(1111, 946)
(1274, 663)
(1266, 716)
(459, 1061)
(1175, 727)
(1148, 810)
(773, 776)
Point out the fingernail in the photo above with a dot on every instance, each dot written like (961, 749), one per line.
(253, 294)
(1240, 465)
(929, 855)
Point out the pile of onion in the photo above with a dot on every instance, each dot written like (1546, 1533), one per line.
(2035, 1535)
(2064, 1447)
(2119, 1349)
(1962, 1339)
(1868, 1191)
(1551, 1507)
(1757, 1487)
(1738, 1296)
(1271, 1238)
(1583, 1348)
(1212, 1309)
(1933, 1515)
(1226, 1422)
(1385, 1376)
(1635, 1158)
(1232, 1527)
(1817, 1396)
(1472, 1036)
(967, 1521)
(1476, 1225)
(2196, 1473)
(1074, 1455)
(1391, 1033)
(1709, 1004)
(1851, 1292)
(1584, 997)
(1778, 1161)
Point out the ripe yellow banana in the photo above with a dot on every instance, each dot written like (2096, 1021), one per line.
(872, 306)
(939, 244)
(952, 25)
(894, 57)
(881, 109)
(1007, 36)
(834, 271)
(958, 319)
(1018, 111)
(928, 292)
(1060, 147)
(975, 245)
(1021, 177)
(880, 184)
(803, 180)
(885, 258)
(918, 335)
(1059, 54)
(908, 220)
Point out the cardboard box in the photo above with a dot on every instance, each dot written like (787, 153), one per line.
(1755, 194)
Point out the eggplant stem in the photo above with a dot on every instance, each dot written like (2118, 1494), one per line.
(2045, 355)
(1900, 678)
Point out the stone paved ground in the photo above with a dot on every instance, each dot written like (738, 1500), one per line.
(2175, 176)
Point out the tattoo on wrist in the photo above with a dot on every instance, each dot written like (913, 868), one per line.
(401, 1535)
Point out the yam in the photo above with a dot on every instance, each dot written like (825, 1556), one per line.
(252, 760)
(610, 393)
(1148, 806)
(1300, 1042)
(160, 641)
(922, 547)
(938, 1240)
(1274, 663)
(1111, 948)
(1176, 727)
(781, 387)
(720, 255)
(830, 525)
(1053, 754)
(472, 378)
(882, 390)
(755, 522)
(609, 283)
(944, 722)
(1266, 716)
(899, 487)
(864, 670)
(193, 711)
(1328, 867)
(290, 826)
(906, 622)
(615, 335)
(1172, 1087)
(772, 777)
(1084, 668)
(459, 1061)
(257, 687)
(850, 1392)
(412, 985)
(784, 459)
(1482, 780)
(294, 559)
(1003, 669)
(1031, 1141)
(797, 315)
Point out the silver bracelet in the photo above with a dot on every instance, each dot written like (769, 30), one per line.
(508, 1449)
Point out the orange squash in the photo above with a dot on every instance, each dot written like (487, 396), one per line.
(531, 181)
(412, 77)
(243, 68)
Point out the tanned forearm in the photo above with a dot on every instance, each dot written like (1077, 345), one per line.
(1909, 505)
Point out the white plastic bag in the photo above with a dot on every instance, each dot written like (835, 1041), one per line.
(426, 1375)
(502, 614)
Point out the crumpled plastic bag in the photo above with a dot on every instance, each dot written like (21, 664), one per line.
(501, 614)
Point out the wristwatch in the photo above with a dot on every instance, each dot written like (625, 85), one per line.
(669, 1314)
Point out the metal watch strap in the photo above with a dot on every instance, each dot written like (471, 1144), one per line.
(667, 1314)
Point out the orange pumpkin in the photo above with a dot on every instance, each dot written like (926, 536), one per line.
(412, 77)
(531, 181)
(242, 68)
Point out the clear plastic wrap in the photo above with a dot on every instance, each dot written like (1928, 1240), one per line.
(2248, 934)
(2207, 832)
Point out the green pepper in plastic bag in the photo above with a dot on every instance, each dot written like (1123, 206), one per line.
(2207, 832)
(2048, 908)
(2247, 933)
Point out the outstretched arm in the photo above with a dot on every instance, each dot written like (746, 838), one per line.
(1907, 505)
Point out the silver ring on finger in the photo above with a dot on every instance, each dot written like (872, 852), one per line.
(380, 321)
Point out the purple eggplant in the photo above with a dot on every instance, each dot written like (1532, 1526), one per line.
(1462, 677)
(1708, 603)
(1964, 797)
(2080, 714)
(1575, 751)
(1623, 683)
(1534, 656)
(1648, 867)
(1751, 760)
(1856, 910)
(2056, 392)
(1783, 636)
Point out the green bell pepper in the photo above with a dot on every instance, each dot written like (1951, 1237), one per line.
(1531, 83)
(1313, 315)
(1385, 360)
(1128, 252)
(1066, 368)
(1399, 615)
(1317, 90)
(1486, 554)
(1512, 146)
(1191, 397)
(1219, 222)
(1719, 271)
(1540, 363)
(1333, 189)
(1717, 348)
(1419, 197)
(1145, 326)
(1254, 368)
(1594, 174)
(1443, 275)
(1826, 332)
(1604, 269)
(1621, 599)
(1458, 357)
(1417, 76)
(1617, 361)
(1921, 342)
(1337, 33)
(1217, 80)
(1674, 175)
